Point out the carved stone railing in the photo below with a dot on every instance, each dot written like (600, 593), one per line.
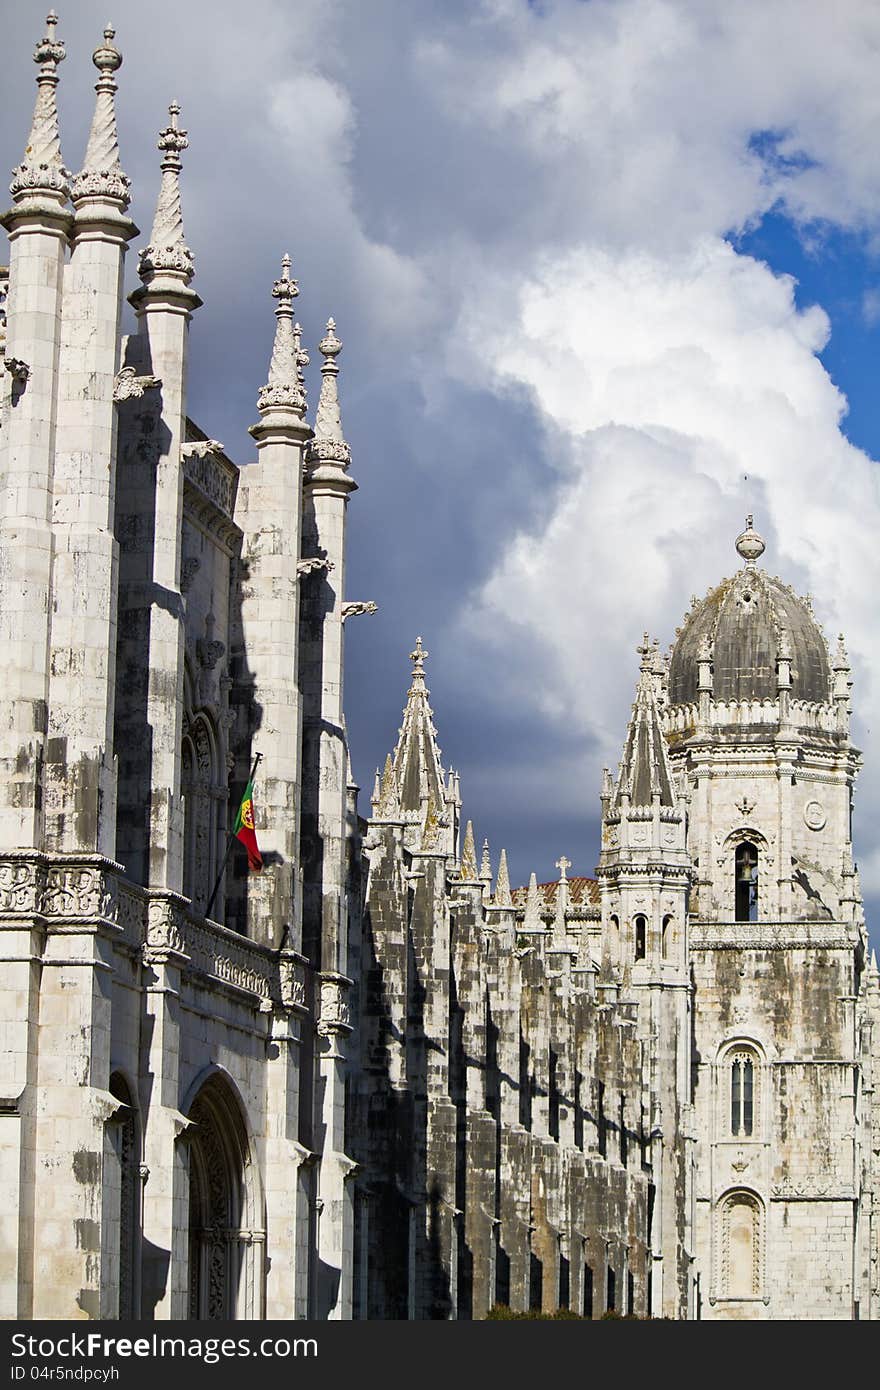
(803, 714)
(89, 892)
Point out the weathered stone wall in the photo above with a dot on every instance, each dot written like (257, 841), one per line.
(502, 1120)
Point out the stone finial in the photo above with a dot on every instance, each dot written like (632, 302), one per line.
(167, 251)
(562, 865)
(42, 170)
(750, 546)
(285, 388)
(502, 883)
(101, 175)
(841, 660)
(469, 855)
(418, 656)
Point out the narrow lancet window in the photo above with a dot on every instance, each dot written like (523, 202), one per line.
(742, 1090)
(746, 874)
(641, 934)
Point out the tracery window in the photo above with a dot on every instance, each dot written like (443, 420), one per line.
(746, 882)
(742, 1093)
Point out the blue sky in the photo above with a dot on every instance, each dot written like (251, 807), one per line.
(607, 280)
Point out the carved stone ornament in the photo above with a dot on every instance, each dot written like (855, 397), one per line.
(814, 815)
(291, 969)
(77, 891)
(351, 610)
(128, 384)
(334, 1016)
(18, 370)
(313, 564)
(201, 448)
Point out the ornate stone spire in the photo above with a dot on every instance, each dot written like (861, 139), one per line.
(167, 251)
(502, 883)
(644, 767)
(328, 445)
(417, 766)
(42, 171)
(284, 388)
(101, 175)
(749, 544)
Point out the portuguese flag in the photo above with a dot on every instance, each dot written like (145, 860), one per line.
(243, 829)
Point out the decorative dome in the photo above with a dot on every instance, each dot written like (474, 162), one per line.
(747, 622)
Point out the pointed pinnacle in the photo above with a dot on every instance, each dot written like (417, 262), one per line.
(101, 175)
(42, 170)
(329, 446)
(284, 389)
(469, 854)
(502, 883)
(167, 250)
(485, 862)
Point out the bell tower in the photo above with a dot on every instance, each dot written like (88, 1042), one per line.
(757, 723)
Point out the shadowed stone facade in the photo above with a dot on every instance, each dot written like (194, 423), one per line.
(373, 1080)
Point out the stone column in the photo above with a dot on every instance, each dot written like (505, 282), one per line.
(152, 602)
(37, 225)
(80, 775)
(269, 502)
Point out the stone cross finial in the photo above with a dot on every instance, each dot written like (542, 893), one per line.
(167, 250)
(41, 170)
(418, 656)
(562, 864)
(101, 175)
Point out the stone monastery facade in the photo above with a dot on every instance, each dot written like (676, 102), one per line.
(373, 1080)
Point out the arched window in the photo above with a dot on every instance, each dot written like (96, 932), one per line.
(741, 1255)
(742, 1093)
(746, 881)
(666, 935)
(641, 936)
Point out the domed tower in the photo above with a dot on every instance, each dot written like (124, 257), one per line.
(756, 717)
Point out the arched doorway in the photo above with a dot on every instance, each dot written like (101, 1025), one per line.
(226, 1224)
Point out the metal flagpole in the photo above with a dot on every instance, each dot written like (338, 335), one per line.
(229, 843)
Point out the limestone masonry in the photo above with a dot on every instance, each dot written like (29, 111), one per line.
(374, 1080)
